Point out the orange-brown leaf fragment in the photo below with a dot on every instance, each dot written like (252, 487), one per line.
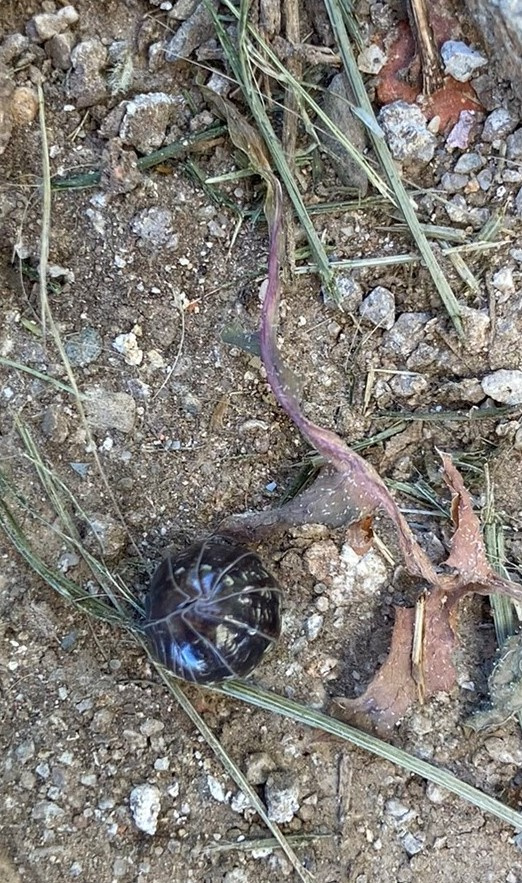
(393, 689)
(398, 683)
(468, 554)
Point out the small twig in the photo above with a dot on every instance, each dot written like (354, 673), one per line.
(432, 78)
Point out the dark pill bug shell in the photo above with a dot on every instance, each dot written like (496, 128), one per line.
(212, 611)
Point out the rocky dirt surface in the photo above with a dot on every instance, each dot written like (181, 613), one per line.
(103, 777)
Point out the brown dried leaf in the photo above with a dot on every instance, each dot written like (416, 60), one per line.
(398, 683)
(393, 689)
(468, 554)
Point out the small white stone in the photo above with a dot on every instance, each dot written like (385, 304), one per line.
(503, 280)
(145, 805)
(314, 625)
(460, 60)
(504, 386)
(378, 308)
(435, 793)
(216, 789)
(281, 792)
(127, 345)
(371, 60)
(161, 764)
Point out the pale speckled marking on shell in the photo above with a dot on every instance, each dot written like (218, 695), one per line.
(212, 611)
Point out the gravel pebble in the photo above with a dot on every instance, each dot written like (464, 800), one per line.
(371, 60)
(217, 789)
(259, 766)
(476, 325)
(145, 806)
(485, 179)
(499, 124)
(405, 335)
(514, 145)
(83, 347)
(412, 843)
(502, 280)
(146, 118)
(504, 386)
(313, 626)
(127, 345)
(55, 424)
(460, 60)
(154, 226)
(105, 534)
(110, 410)
(24, 105)
(47, 812)
(435, 793)
(194, 31)
(59, 50)
(459, 212)
(44, 26)
(468, 162)
(378, 308)
(460, 134)
(281, 794)
(25, 751)
(406, 132)
(86, 84)
(452, 182)
(349, 291)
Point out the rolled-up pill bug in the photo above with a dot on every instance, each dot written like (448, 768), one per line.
(212, 611)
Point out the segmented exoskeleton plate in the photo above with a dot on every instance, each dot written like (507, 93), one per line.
(212, 611)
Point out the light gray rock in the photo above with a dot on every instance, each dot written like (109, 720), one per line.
(460, 60)
(468, 162)
(407, 134)
(12, 47)
(452, 182)
(485, 179)
(86, 84)
(194, 31)
(371, 60)
(105, 534)
(282, 796)
(405, 335)
(378, 308)
(109, 410)
(44, 26)
(514, 145)
(146, 119)
(83, 347)
(499, 124)
(504, 386)
(459, 212)
(154, 227)
(145, 806)
(349, 291)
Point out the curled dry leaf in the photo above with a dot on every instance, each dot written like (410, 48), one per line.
(349, 490)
